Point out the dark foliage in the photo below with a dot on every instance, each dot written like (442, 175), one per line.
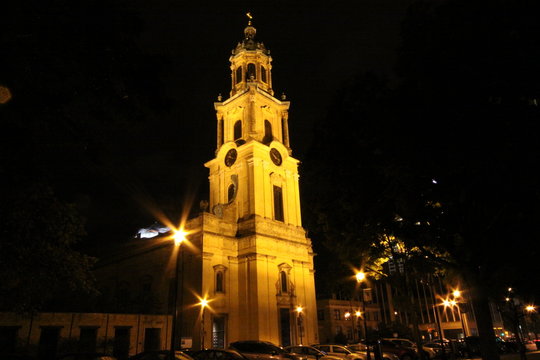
(444, 159)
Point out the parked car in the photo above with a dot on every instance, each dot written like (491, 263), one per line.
(161, 355)
(402, 342)
(362, 348)
(262, 350)
(341, 351)
(309, 352)
(433, 349)
(471, 346)
(217, 354)
(408, 344)
(530, 345)
(402, 352)
(86, 356)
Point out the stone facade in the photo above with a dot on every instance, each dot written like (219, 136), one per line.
(47, 334)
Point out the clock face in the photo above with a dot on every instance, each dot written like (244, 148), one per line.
(275, 156)
(230, 158)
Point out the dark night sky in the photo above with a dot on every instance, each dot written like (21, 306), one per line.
(316, 48)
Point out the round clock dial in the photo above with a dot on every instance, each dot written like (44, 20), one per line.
(230, 158)
(275, 156)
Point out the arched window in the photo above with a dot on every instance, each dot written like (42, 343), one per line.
(267, 132)
(238, 74)
(263, 74)
(284, 282)
(237, 130)
(251, 71)
(219, 278)
(230, 193)
(219, 281)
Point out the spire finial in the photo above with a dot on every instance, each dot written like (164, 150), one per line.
(249, 31)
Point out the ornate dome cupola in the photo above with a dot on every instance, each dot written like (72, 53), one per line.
(250, 63)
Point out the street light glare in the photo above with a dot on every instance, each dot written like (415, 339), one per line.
(203, 303)
(456, 293)
(530, 308)
(299, 309)
(360, 276)
(179, 237)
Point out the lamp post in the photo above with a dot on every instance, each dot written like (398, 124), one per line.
(299, 311)
(358, 314)
(204, 304)
(455, 302)
(360, 278)
(438, 321)
(179, 237)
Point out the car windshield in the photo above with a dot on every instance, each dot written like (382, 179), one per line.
(257, 347)
(357, 347)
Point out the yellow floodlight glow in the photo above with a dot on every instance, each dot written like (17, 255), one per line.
(203, 303)
(179, 237)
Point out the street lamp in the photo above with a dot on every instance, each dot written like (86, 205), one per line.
(204, 304)
(451, 304)
(360, 278)
(299, 311)
(179, 237)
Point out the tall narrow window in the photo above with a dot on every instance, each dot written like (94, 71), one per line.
(237, 130)
(251, 71)
(88, 339)
(263, 74)
(230, 193)
(152, 339)
(219, 278)
(284, 282)
(278, 204)
(238, 74)
(219, 281)
(267, 132)
(121, 342)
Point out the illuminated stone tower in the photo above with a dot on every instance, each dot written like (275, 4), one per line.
(256, 261)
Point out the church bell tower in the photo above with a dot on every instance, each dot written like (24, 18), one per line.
(256, 261)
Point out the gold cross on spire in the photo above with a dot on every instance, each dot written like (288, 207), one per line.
(250, 17)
